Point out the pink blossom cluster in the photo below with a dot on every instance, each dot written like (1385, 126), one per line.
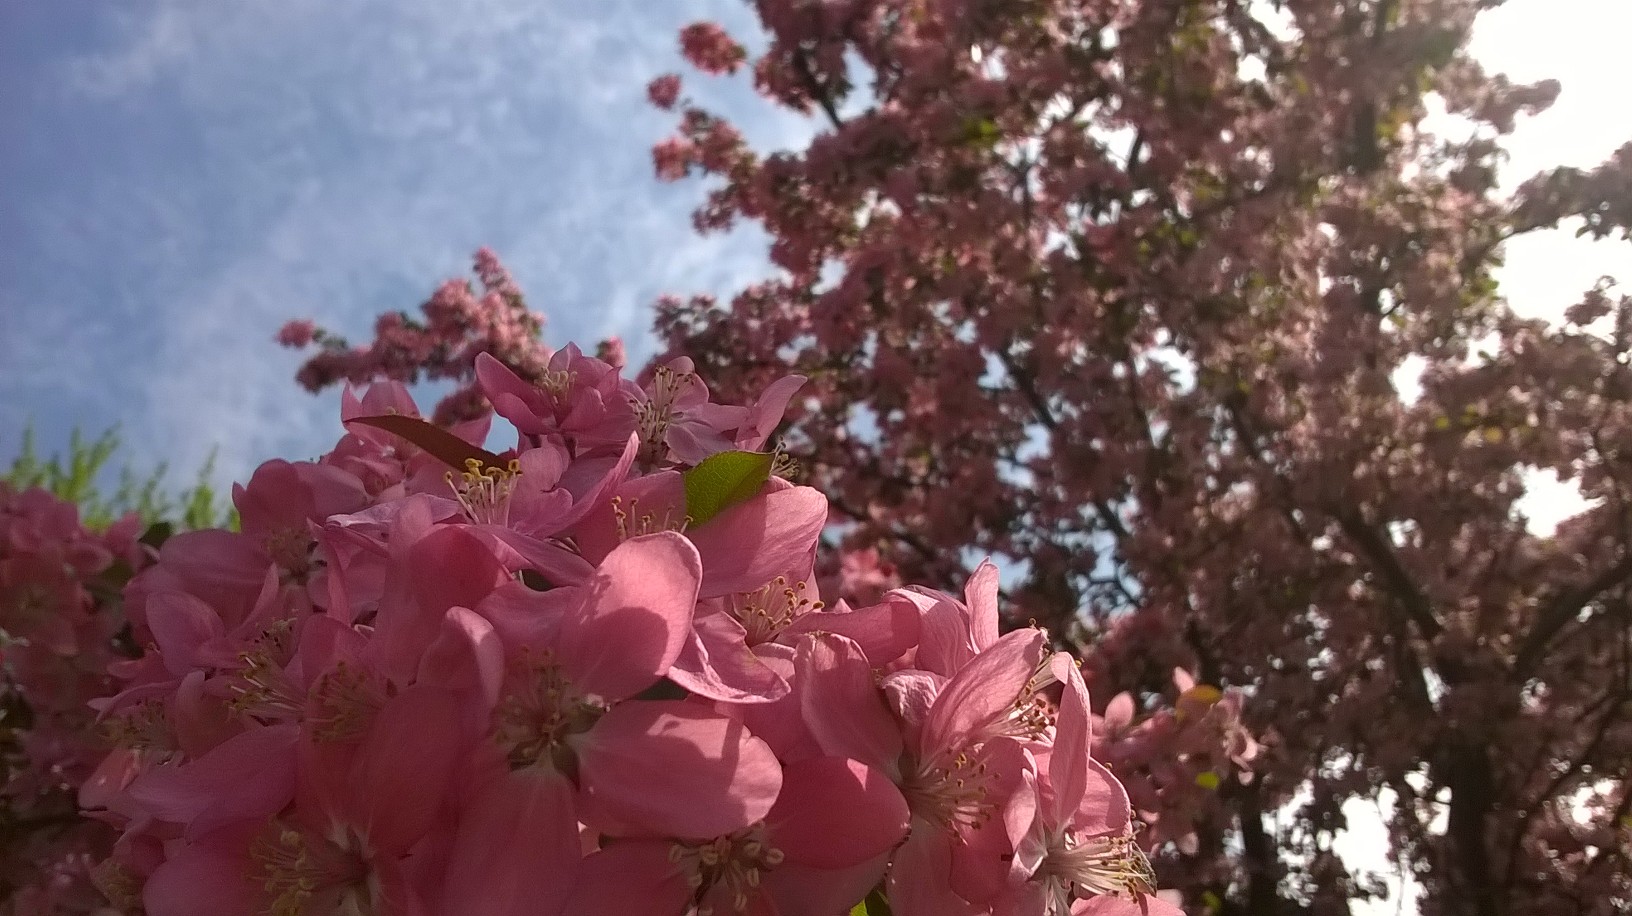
(459, 322)
(59, 621)
(1174, 762)
(592, 674)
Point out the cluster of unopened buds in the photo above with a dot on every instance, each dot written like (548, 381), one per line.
(590, 675)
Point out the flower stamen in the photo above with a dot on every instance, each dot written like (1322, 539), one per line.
(484, 491)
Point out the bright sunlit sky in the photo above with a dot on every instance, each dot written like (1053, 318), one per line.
(178, 177)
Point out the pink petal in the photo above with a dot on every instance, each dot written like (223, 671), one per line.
(512, 398)
(945, 643)
(630, 878)
(911, 694)
(691, 442)
(636, 616)
(1119, 712)
(404, 765)
(980, 862)
(677, 769)
(1104, 807)
(1068, 761)
(597, 492)
(980, 595)
(467, 656)
(181, 626)
(448, 567)
(222, 568)
(767, 412)
(206, 878)
(523, 616)
(920, 882)
(835, 813)
(716, 663)
(451, 567)
(1101, 905)
(982, 692)
(595, 479)
(558, 565)
(779, 723)
(660, 496)
(200, 721)
(751, 543)
(981, 858)
(841, 705)
(249, 777)
(798, 890)
(1019, 817)
(885, 632)
(516, 849)
(324, 641)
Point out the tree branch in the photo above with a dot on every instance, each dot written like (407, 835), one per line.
(1394, 575)
(1564, 608)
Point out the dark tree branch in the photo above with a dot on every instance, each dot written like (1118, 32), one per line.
(1563, 609)
(1394, 575)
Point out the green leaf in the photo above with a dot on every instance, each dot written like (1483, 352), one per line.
(442, 445)
(722, 481)
(875, 904)
(981, 132)
(156, 534)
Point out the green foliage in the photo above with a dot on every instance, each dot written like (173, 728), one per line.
(874, 904)
(721, 481)
(80, 478)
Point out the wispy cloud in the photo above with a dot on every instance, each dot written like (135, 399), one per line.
(205, 170)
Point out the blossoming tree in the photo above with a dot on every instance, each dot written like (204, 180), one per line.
(1179, 306)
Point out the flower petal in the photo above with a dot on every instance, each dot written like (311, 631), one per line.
(1068, 760)
(983, 692)
(516, 850)
(248, 777)
(404, 765)
(836, 813)
(630, 878)
(920, 881)
(841, 705)
(635, 618)
(751, 543)
(205, 878)
(885, 632)
(716, 663)
(677, 769)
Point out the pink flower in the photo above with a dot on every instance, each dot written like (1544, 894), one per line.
(664, 91)
(672, 158)
(1079, 842)
(742, 548)
(710, 49)
(578, 654)
(297, 333)
(349, 839)
(953, 745)
(579, 400)
(820, 848)
(677, 423)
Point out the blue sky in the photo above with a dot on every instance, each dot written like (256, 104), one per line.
(190, 173)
